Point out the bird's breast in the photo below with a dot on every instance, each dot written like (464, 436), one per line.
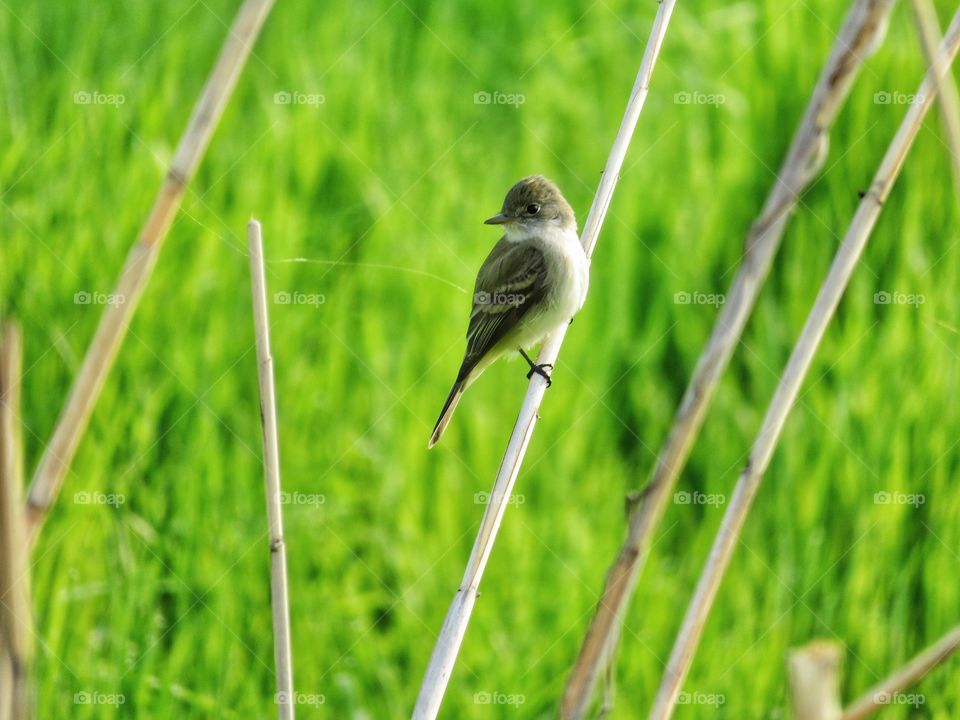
(570, 271)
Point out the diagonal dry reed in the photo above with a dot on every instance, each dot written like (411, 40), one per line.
(878, 697)
(139, 266)
(860, 34)
(785, 395)
(948, 101)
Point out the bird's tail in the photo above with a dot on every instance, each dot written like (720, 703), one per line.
(448, 407)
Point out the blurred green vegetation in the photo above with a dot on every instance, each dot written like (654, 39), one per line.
(165, 598)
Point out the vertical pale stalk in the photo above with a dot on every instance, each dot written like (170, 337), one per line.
(138, 268)
(815, 681)
(785, 395)
(279, 599)
(16, 646)
(862, 31)
(458, 616)
(880, 695)
(949, 103)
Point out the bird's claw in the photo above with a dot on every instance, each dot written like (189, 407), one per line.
(541, 370)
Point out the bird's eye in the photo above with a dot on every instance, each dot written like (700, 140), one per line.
(533, 209)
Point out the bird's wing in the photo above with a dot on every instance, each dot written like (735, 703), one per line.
(510, 283)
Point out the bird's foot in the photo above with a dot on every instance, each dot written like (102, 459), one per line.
(541, 370)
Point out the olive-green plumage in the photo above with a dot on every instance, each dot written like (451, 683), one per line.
(534, 279)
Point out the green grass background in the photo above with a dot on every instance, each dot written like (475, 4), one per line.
(165, 599)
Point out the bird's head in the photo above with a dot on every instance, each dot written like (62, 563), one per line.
(534, 203)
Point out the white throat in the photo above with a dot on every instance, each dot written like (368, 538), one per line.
(519, 232)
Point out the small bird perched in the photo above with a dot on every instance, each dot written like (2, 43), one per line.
(534, 280)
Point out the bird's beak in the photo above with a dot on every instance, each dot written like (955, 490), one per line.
(499, 219)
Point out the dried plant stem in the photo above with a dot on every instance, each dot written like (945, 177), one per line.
(861, 33)
(138, 268)
(928, 28)
(815, 681)
(458, 616)
(785, 395)
(279, 599)
(16, 646)
(879, 695)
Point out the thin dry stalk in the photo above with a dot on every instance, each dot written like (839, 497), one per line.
(138, 268)
(815, 681)
(785, 395)
(279, 599)
(16, 646)
(928, 27)
(6, 682)
(880, 695)
(458, 616)
(862, 31)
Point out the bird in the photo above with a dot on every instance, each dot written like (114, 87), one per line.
(533, 281)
